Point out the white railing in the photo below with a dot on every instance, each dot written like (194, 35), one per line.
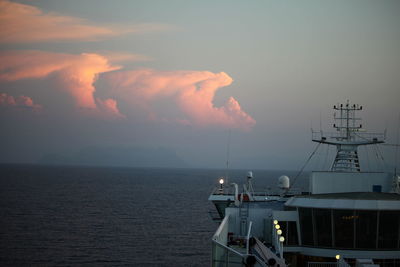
(339, 263)
(356, 135)
(231, 260)
(223, 255)
(221, 235)
(248, 237)
(322, 264)
(266, 253)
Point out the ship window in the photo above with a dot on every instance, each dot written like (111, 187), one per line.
(289, 230)
(306, 226)
(284, 229)
(389, 229)
(366, 222)
(292, 234)
(344, 228)
(323, 227)
(376, 188)
(347, 229)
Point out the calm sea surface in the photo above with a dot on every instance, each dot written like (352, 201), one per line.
(94, 216)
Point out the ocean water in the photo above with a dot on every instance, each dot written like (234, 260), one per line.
(98, 216)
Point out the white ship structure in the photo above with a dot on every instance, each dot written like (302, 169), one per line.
(349, 217)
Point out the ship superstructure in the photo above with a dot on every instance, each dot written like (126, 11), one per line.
(349, 216)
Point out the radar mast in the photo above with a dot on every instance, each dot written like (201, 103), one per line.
(348, 137)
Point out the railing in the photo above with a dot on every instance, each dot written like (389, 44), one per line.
(226, 190)
(356, 135)
(267, 254)
(248, 237)
(339, 263)
(221, 235)
(269, 192)
(228, 257)
(322, 264)
(222, 255)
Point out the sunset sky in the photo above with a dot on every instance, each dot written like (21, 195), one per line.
(181, 75)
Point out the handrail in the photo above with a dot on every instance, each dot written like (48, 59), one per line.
(248, 237)
(260, 261)
(360, 135)
(221, 227)
(268, 193)
(322, 264)
(230, 249)
(339, 263)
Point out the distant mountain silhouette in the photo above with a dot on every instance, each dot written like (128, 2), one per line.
(118, 156)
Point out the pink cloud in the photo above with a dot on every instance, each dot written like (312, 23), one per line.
(74, 73)
(185, 97)
(191, 92)
(23, 23)
(20, 101)
(109, 106)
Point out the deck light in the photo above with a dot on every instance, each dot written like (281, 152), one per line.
(277, 226)
(281, 239)
(279, 232)
(275, 221)
(221, 184)
(337, 257)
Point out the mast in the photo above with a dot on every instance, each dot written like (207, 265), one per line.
(348, 137)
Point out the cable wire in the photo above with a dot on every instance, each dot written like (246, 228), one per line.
(302, 168)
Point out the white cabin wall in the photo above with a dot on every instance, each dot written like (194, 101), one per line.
(340, 182)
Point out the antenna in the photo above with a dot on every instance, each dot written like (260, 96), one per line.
(227, 157)
(320, 121)
(348, 137)
(397, 147)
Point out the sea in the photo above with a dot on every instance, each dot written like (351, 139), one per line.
(110, 216)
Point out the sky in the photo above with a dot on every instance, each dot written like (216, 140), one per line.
(190, 77)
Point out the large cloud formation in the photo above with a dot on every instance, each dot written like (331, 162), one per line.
(74, 73)
(28, 24)
(192, 92)
(184, 96)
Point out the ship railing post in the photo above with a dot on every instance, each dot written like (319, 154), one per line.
(248, 237)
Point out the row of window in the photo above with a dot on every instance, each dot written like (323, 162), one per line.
(355, 229)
